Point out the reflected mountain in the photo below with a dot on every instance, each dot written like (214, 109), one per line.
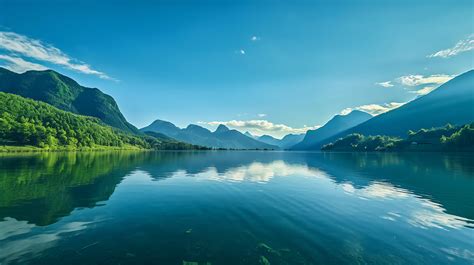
(41, 188)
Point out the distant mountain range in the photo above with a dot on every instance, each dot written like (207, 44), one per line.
(66, 94)
(222, 137)
(452, 102)
(285, 143)
(337, 124)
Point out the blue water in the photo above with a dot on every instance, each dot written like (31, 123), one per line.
(236, 208)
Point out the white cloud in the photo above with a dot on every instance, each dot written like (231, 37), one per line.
(255, 38)
(35, 49)
(385, 84)
(261, 115)
(461, 46)
(17, 64)
(424, 90)
(374, 109)
(260, 127)
(416, 80)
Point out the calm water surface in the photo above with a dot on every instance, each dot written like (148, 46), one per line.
(236, 208)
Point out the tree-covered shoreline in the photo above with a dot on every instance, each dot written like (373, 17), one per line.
(30, 125)
(445, 139)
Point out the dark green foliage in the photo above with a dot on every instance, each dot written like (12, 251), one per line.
(162, 142)
(66, 94)
(462, 139)
(447, 138)
(29, 122)
(358, 142)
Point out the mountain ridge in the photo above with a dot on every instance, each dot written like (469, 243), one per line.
(222, 137)
(335, 125)
(66, 94)
(451, 103)
(286, 142)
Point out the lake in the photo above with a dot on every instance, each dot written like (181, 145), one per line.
(238, 207)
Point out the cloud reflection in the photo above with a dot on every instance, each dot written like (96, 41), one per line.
(260, 172)
(418, 212)
(31, 243)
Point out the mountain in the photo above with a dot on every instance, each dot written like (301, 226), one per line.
(164, 127)
(290, 140)
(28, 122)
(286, 142)
(222, 137)
(337, 124)
(66, 94)
(452, 102)
(269, 140)
(247, 133)
(222, 128)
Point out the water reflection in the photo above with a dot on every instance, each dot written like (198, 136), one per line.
(256, 172)
(277, 207)
(19, 248)
(41, 188)
(51, 185)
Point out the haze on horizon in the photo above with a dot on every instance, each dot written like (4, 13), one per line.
(268, 67)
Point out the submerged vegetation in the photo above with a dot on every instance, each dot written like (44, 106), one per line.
(26, 124)
(447, 138)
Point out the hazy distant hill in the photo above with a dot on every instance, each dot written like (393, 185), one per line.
(64, 93)
(337, 124)
(286, 142)
(452, 102)
(194, 134)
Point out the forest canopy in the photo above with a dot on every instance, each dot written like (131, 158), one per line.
(29, 122)
(447, 138)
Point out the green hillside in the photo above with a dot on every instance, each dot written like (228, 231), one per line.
(447, 138)
(66, 94)
(26, 122)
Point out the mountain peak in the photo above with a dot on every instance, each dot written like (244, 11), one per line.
(162, 122)
(161, 126)
(337, 124)
(66, 94)
(197, 129)
(222, 128)
(358, 112)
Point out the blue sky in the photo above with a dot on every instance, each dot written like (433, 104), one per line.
(271, 67)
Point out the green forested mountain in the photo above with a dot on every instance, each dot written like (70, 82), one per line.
(66, 94)
(337, 124)
(452, 102)
(30, 122)
(447, 138)
(223, 137)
